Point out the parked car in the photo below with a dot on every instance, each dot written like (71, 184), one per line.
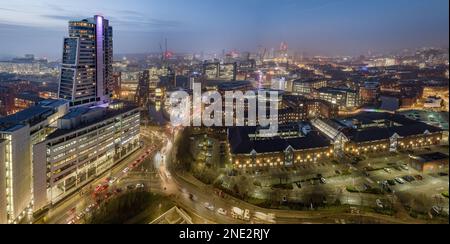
(408, 178)
(209, 206)
(222, 211)
(192, 197)
(379, 203)
(391, 182)
(436, 210)
(418, 177)
(400, 181)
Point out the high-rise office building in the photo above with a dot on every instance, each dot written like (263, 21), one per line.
(86, 72)
(86, 143)
(18, 134)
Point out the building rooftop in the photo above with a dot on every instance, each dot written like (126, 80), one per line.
(90, 116)
(334, 90)
(29, 96)
(231, 85)
(312, 80)
(32, 115)
(379, 126)
(242, 142)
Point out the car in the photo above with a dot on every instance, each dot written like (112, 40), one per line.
(140, 185)
(126, 170)
(222, 211)
(209, 206)
(387, 189)
(408, 178)
(192, 197)
(379, 203)
(436, 210)
(418, 177)
(387, 170)
(323, 181)
(118, 191)
(404, 166)
(100, 188)
(391, 182)
(366, 186)
(79, 216)
(299, 184)
(130, 187)
(400, 181)
(112, 180)
(337, 172)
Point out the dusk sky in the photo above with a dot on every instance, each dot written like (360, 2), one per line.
(314, 26)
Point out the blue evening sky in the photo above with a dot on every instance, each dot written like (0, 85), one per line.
(313, 26)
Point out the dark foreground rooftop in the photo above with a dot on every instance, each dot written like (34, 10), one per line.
(380, 126)
(241, 142)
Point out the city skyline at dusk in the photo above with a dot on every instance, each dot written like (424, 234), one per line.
(223, 113)
(323, 27)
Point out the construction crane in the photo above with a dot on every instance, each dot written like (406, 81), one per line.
(263, 55)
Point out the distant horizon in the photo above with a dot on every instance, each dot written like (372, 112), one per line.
(317, 27)
(7, 57)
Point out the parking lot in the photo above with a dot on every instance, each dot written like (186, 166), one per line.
(373, 181)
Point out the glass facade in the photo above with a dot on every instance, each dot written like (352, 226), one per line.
(81, 73)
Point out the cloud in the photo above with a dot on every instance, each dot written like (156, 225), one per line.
(9, 9)
(61, 17)
(131, 21)
(14, 27)
(140, 21)
(129, 12)
(56, 7)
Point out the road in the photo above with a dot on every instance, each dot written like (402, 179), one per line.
(181, 186)
(191, 194)
(76, 204)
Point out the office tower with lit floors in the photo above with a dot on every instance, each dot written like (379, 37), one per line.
(86, 72)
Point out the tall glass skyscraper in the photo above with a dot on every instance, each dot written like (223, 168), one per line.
(86, 73)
